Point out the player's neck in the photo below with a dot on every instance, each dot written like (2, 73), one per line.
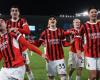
(76, 29)
(14, 19)
(53, 28)
(93, 21)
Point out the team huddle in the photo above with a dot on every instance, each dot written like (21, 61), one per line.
(84, 47)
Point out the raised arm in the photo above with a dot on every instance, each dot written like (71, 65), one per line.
(23, 41)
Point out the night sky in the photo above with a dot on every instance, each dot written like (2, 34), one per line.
(48, 7)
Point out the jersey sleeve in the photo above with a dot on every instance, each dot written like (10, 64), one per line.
(77, 42)
(37, 43)
(78, 38)
(24, 42)
(25, 27)
(67, 33)
(66, 44)
(40, 41)
(82, 30)
(42, 37)
(0, 56)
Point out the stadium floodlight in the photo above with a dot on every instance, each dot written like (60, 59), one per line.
(70, 16)
(78, 15)
(61, 15)
(73, 16)
(66, 16)
(85, 13)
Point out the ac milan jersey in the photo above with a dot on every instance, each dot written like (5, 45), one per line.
(54, 43)
(9, 49)
(22, 26)
(92, 34)
(73, 37)
(20, 23)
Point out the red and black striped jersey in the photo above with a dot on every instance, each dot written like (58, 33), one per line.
(20, 23)
(54, 43)
(73, 37)
(10, 50)
(92, 33)
(22, 26)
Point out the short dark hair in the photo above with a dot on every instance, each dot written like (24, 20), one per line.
(15, 6)
(92, 7)
(52, 17)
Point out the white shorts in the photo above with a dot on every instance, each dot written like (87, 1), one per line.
(57, 66)
(12, 73)
(92, 63)
(75, 61)
(25, 55)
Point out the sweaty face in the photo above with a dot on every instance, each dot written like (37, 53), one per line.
(14, 12)
(93, 14)
(52, 21)
(76, 23)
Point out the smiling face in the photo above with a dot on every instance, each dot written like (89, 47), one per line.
(93, 14)
(76, 23)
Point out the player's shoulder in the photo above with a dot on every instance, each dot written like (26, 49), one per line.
(44, 31)
(72, 29)
(23, 19)
(83, 24)
(59, 28)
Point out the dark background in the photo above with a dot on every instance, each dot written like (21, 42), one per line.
(37, 12)
(48, 7)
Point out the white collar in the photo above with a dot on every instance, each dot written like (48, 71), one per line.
(14, 20)
(53, 29)
(92, 22)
